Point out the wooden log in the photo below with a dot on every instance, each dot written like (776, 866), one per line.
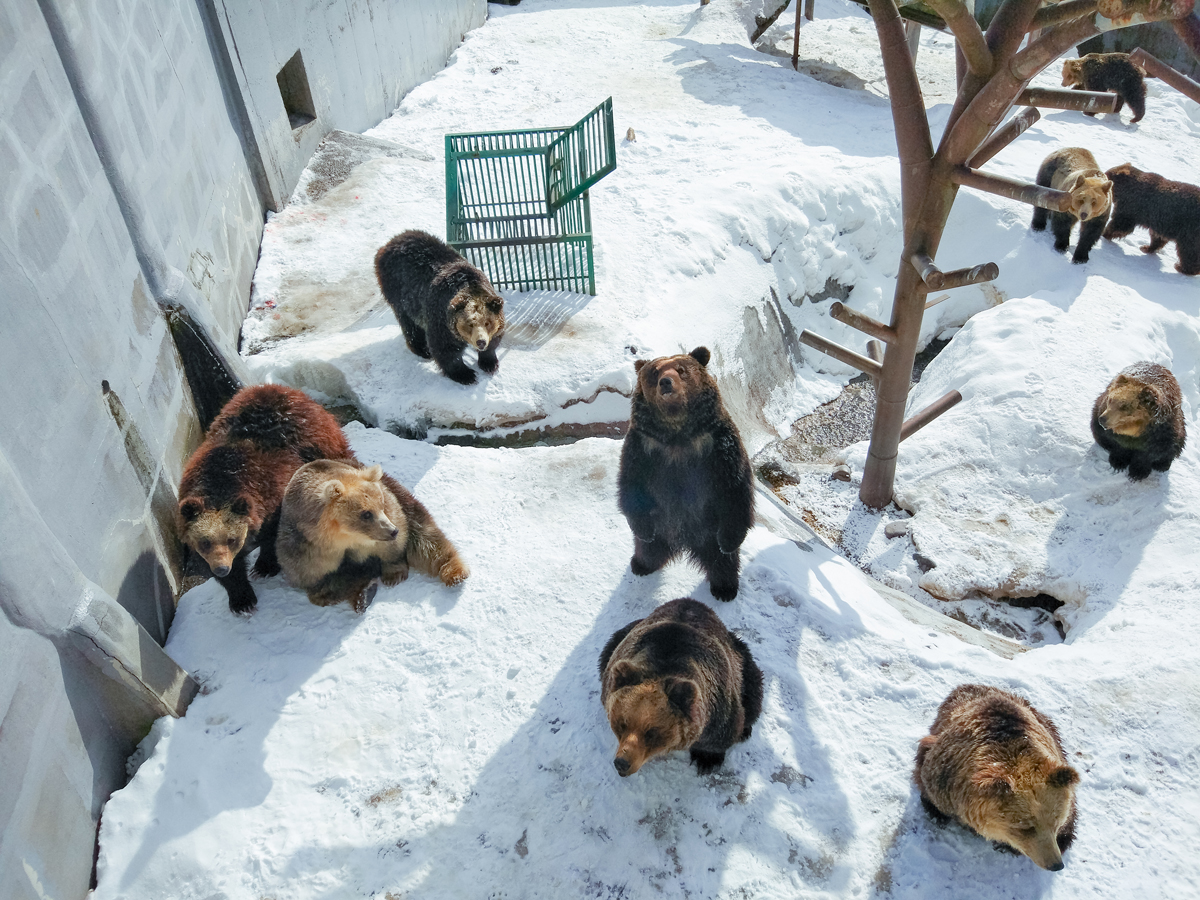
(838, 352)
(1033, 194)
(1005, 135)
(936, 300)
(912, 425)
(957, 278)
(1160, 69)
(1061, 12)
(808, 9)
(1053, 98)
(862, 322)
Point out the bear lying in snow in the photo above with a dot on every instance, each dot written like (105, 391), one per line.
(1139, 420)
(995, 763)
(442, 301)
(343, 526)
(678, 680)
(1113, 72)
(1075, 171)
(685, 483)
(1170, 209)
(233, 484)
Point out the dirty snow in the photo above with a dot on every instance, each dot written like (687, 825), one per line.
(450, 743)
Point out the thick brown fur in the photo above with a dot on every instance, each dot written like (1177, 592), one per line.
(685, 483)
(1170, 209)
(1075, 171)
(342, 526)
(678, 680)
(1113, 72)
(443, 303)
(996, 764)
(1139, 420)
(233, 484)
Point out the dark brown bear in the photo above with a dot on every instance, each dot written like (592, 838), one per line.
(678, 680)
(685, 484)
(233, 485)
(1109, 72)
(1170, 209)
(442, 301)
(1074, 170)
(1139, 420)
(995, 764)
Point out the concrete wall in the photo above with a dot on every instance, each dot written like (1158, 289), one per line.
(141, 142)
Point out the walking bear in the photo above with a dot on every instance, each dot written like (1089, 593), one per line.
(1109, 72)
(1075, 171)
(1139, 420)
(233, 484)
(343, 526)
(678, 680)
(685, 483)
(995, 764)
(1170, 209)
(442, 301)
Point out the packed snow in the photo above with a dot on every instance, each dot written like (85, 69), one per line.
(450, 743)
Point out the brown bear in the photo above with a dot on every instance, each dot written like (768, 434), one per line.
(1075, 171)
(233, 484)
(442, 301)
(678, 680)
(1170, 209)
(685, 483)
(1113, 72)
(995, 764)
(342, 526)
(1139, 420)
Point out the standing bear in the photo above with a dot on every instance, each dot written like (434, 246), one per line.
(685, 483)
(1139, 420)
(1113, 72)
(342, 526)
(1075, 171)
(233, 485)
(1170, 209)
(678, 680)
(442, 301)
(995, 764)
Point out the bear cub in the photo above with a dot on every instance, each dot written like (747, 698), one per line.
(995, 764)
(1139, 420)
(685, 483)
(1075, 171)
(678, 680)
(1170, 209)
(1113, 72)
(442, 301)
(233, 485)
(343, 526)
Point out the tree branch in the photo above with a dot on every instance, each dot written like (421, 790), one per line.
(968, 34)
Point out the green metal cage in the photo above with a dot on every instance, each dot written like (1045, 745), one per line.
(517, 201)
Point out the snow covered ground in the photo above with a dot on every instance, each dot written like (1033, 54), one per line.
(450, 743)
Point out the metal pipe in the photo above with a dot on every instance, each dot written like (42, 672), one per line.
(838, 352)
(862, 322)
(1005, 135)
(1160, 69)
(928, 414)
(1055, 98)
(1033, 194)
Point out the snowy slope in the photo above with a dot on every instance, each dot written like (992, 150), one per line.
(451, 743)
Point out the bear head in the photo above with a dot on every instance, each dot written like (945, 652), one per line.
(476, 311)
(1072, 72)
(670, 383)
(650, 716)
(1128, 406)
(1091, 196)
(1123, 174)
(356, 507)
(1025, 805)
(216, 533)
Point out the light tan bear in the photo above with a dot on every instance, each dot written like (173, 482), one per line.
(1074, 170)
(343, 526)
(995, 763)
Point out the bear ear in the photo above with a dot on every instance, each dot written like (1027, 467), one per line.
(375, 473)
(638, 365)
(458, 301)
(240, 506)
(700, 355)
(190, 509)
(1107, 186)
(625, 674)
(332, 490)
(1063, 776)
(681, 694)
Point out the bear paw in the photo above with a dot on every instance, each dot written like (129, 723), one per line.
(707, 761)
(393, 575)
(723, 591)
(489, 364)
(641, 568)
(363, 598)
(462, 376)
(453, 572)
(243, 604)
(265, 568)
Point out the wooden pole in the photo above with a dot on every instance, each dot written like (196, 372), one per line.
(1033, 194)
(1054, 98)
(808, 9)
(838, 352)
(1061, 12)
(796, 36)
(928, 414)
(1002, 137)
(862, 322)
(1160, 69)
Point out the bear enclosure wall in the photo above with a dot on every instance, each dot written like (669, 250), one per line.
(141, 143)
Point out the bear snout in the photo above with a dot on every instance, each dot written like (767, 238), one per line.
(666, 385)
(621, 764)
(220, 571)
(480, 344)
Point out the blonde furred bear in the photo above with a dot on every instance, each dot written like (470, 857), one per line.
(1074, 171)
